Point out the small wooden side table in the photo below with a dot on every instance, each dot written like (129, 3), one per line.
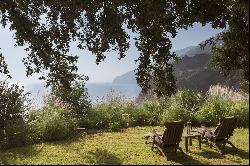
(189, 137)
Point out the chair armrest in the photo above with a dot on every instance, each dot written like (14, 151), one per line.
(204, 129)
(209, 135)
(155, 135)
(200, 130)
(210, 131)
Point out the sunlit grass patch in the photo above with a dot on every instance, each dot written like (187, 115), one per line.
(124, 147)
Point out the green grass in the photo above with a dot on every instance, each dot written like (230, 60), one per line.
(125, 147)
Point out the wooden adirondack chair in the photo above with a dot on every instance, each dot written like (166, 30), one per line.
(220, 136)
(169, 140)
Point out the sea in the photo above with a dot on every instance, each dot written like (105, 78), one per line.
(97, 92)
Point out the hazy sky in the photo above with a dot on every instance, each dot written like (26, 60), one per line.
(105, 71)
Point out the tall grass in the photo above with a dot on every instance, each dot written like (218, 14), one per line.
(227, 93)
(115, 112)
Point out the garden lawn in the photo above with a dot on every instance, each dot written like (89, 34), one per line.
(125, 147)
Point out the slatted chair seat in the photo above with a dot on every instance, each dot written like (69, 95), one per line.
(169, 140)
(220, 136)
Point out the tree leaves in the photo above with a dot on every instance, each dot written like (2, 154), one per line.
(4, 66)
(48, 27)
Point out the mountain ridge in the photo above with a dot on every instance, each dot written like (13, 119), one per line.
(129, 77)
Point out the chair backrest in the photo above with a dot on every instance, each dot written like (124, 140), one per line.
(173, 132)
(226, 128)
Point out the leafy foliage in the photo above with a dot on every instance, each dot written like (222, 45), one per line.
(56, 121)
(241, 111)
(234, 53)
(88, 24)
(212, 110)
(76, 97)
(12, 115)
(183, 106)
(149, 113)
(186, 105)
(216, 107)
(117, 114)
(3, 66)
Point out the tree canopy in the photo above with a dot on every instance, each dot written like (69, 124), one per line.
(47, 27)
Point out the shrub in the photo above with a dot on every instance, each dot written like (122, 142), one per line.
(96, 118)
(76, 97)
(15, 133)
(12, 115)
(138, 116)
(115, 114)
(147, 114)
(109, 116)
(109, 113)
(241, 111)
(213, 109)
(182, 106)
(55, 121)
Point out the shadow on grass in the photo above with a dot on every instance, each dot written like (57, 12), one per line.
(181, 158)
(241, 153)
(228, 150)
(103, 157)
(210, 154)
(68, 141)
(185, 159)
(11, 155)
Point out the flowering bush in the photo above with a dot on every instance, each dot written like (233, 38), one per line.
(56, 121)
